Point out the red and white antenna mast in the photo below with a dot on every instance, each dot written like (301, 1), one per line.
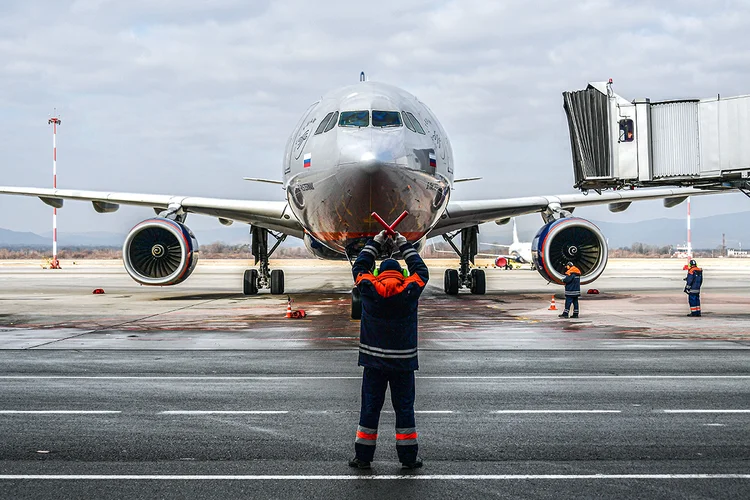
(689, 235)
(54, 121)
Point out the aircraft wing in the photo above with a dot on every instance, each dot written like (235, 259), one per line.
(273, 215)
(461, 214)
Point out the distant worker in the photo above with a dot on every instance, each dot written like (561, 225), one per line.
(572, 282)
(388, 346)
(693, 282)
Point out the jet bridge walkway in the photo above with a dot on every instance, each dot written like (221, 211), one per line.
(618, 143)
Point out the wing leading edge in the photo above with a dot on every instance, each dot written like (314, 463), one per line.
(273, 215)
(461, 214)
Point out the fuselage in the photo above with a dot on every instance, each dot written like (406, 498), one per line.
(366, 148)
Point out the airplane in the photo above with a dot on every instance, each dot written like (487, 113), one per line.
(518, 251)
(363, 148)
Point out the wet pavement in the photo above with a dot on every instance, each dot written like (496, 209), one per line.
(198, 391)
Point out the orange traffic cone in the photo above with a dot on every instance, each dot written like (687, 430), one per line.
(552, 306)
(289, 307)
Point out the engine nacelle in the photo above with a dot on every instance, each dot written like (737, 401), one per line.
(160, 251)
(569, 240)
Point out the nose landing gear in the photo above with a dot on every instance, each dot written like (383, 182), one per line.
(473, 279)
(263, 277)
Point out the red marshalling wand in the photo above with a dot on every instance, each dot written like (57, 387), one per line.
(390, 229)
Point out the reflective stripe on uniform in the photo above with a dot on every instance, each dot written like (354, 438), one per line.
(388, 351)
(411, 353)
(371, 250)
(366, 436)
(406, 436)
(408, 253)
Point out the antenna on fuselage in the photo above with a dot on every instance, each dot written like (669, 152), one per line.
(362, 77)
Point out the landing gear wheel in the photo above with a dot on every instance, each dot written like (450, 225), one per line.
(356, 304)
(450, 282)
(478, 282)
(250, 282)
(277, 282)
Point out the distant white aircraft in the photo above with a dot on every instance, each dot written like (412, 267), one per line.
(518, 251)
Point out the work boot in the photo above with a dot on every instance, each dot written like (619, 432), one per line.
(575, 315)
(416, 464)
(563, 315)
(359, 464)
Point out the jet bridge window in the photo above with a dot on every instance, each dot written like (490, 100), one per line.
(627, 130)
(323, 123)
(386, 118)
(415, 122)
(354, 119)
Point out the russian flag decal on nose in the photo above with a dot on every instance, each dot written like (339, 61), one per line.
(433, 160)
(307, 160)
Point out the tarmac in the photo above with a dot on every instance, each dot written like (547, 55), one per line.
(199, 391)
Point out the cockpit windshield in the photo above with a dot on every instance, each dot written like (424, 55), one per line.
(386, 118)
(354, 119)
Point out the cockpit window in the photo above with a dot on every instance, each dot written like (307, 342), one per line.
(354, 119)
(415, 122)
(323, 123)
(408, 123)
(386, 118)
(332, 122)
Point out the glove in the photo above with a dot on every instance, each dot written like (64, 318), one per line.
(380, 237)
(400, 240)
(687, 290)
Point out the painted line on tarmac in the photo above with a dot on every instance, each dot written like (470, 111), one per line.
(510, 412)
(359, 377)
(224, 412)
(58, 412)
(707, 411)
(391, 477)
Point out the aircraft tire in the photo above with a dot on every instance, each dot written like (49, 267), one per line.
(478, 282)
(277, 282)
(356, 304)
(250, 282)
(450, 282)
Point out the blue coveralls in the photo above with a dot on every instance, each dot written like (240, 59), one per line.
(572, 282)
(693, 283)
(388, 348)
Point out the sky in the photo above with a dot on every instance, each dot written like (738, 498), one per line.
(187, 97)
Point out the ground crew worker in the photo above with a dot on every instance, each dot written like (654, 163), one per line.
(693, 282)
(388, 346)
(572, 282)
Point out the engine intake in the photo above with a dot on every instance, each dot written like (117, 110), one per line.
(160, 252)
(569, 240)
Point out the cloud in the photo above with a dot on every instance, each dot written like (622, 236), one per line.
(189, 96)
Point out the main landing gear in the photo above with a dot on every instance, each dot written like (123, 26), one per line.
(263, 277)
(473, 279)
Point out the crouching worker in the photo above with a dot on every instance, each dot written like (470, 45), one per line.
(693, 282)
(572, 282)
(388, 346)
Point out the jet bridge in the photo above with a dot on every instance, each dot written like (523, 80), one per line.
(618, 143)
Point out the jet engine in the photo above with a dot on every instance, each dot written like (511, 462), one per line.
(566, 240)
(160, 251)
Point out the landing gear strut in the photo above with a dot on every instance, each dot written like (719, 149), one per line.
(465, 277)
(263, 277)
